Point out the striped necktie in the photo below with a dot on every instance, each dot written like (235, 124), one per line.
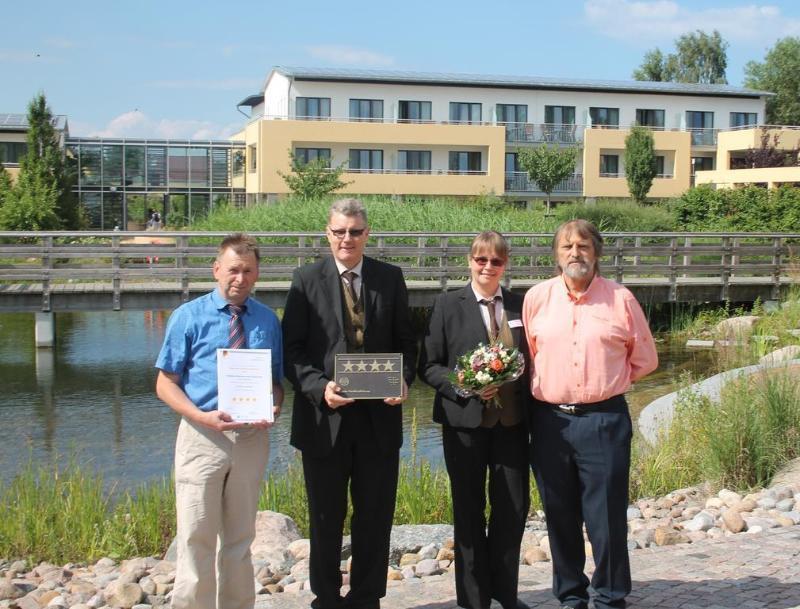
(236, 327)
(494, 330)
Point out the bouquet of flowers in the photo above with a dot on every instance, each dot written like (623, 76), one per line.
(486, 366)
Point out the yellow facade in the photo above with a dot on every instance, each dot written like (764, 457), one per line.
(675, 146)
(733, 143)
(269, 142)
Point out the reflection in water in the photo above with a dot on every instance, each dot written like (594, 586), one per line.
(93, 395)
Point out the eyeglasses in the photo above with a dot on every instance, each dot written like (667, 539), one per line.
(483, 261)
(339, 233)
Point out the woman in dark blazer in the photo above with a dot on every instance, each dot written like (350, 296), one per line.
(477, 436)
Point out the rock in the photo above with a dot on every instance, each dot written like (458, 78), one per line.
(745, 505)
(737, 327)
(785, 505)
(105, 563)
(715, 533)
(56, 600)
(633, 545)
(407, 560)
(664, 536)
(98, 600)
(699, 343)
(444, 564)
(783, 521)
(124, 595)
(762, 523)
(408, 573)
(691, 512)
(701, 522)
(729, 497)
(20, 566)
(755, 529)
(794, 515)
(781, 355)
(428, 551)
(274, 588)
(9, 590)
(140, 606)
(766, 502)
(534, 555)
(410, 538)
(427, 567)
(131, 577)
(634, 513)
(695, 536)
(148, 585)
(300, 548)
(714, 502)
(300, 569)
(733, 521)
(394, 575)
(274, 533)
(293, 587)
(447, 554)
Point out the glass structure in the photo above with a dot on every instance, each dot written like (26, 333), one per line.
(120, 182)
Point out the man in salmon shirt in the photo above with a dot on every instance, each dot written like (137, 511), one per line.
(589, 340)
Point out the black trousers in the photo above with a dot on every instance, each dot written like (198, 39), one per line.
(581, 464)
(370, 472)
(487, 562)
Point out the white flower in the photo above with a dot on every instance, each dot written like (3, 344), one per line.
(483, 378)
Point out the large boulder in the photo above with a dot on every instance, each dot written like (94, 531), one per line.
(737, 327)
(781, 355)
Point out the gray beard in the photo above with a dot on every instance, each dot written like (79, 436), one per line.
(578, 270)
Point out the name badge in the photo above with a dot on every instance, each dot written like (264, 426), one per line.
(514, 323)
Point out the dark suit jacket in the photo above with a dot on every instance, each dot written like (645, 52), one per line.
(313, 333)
(454, 328)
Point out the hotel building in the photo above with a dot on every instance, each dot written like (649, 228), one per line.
(411, 133)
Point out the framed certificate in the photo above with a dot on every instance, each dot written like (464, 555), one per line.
(244, 384)
(369, 376)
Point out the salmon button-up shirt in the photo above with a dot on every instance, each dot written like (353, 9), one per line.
(586, 349)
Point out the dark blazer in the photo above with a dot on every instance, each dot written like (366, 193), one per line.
(313, 333)
(454, 328)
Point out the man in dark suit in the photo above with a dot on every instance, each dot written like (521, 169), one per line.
(479, 436)
(348, 303)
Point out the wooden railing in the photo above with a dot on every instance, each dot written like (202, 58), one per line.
(121, 261)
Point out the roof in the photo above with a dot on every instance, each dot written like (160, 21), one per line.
(251, 100)
(19, 122)
(514, 82)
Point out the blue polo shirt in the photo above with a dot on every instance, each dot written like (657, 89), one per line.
(198, 328)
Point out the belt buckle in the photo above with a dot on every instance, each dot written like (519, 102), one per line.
(568, 408)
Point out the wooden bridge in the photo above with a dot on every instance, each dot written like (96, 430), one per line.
(68, 271)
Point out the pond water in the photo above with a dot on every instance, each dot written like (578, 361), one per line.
(92, 396)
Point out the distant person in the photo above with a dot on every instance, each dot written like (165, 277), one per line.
(481, 439)
(589, 340)
(219, 464)
(155, 220)
(347, 303)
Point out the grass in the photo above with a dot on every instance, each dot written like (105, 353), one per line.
(412, 214)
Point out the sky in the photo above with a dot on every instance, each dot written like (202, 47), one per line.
(176, 69)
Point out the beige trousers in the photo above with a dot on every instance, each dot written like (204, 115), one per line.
(217, 482)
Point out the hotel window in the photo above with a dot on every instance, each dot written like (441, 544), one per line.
(702, 163)
(650, 118)
(465, 162)
(660, 166)
(464, 112)
(306, 155)
(311, 108)
(251, 159)
(609, 165)
(12, 152)
(512, 113)
(512, 162)
(414, 161)
(366, 160)
(701, 124)
(744, 119)
(414, 111)
(604, 117)
(366, 109)
(559, 115)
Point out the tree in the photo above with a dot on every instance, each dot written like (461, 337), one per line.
(314, 179)
(5, 184)
(768, 154)
(640, 162)
(699, 58)
(547, 166)
(780, 74)
(41, 198)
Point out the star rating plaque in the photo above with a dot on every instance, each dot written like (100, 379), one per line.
(369, 376)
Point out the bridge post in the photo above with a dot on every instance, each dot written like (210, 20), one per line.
(45, 329)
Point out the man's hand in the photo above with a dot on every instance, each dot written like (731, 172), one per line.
(222, 421)
(332, 397)
(401, 399)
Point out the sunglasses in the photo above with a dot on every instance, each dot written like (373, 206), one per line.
(483, 261)
(339, 233)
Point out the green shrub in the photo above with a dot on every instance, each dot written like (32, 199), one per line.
(619, 216)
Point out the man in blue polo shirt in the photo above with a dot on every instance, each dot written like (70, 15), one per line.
(219, 464)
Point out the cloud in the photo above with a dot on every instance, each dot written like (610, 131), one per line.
(136, 124)
(224, 84)
(340, 54)
(665, 20)
(60, 43)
